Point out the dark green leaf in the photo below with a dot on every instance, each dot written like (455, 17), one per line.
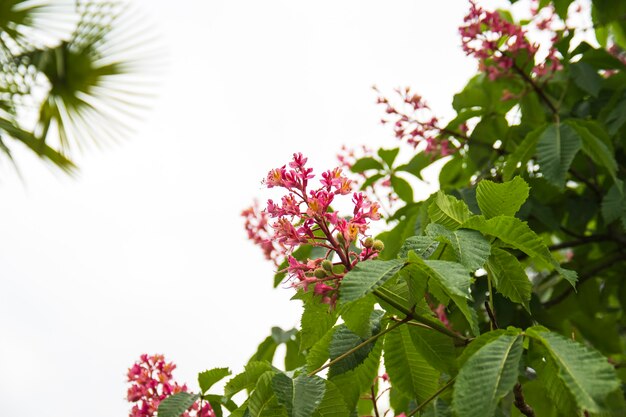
(365, 164)
(556, 149)
(366, 277)
(300, 396)
(509, 277)
(206, 379)
(176, 404)
(402, 188)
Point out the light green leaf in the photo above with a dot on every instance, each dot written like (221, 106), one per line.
(356, 315)
(316, 320)
(388, 155)
(478, 343)
(365, 164)
(424, 246)
(366, 277)
(206, 379)
(487, 377)
(509, 277)
(300, 396)
(556, 149)
(588, 376)
(448, 211)
(522, 153)
(262, 402)
(469, 246)
(436, 348)
(402, 188)
(501, 199)
(408, 371)
(515, 233)
(247, 379)
(332, 404)
(177, 404)
(452, 276)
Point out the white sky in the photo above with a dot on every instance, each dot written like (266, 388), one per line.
(145, 250)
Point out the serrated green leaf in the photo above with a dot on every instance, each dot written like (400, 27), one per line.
(333, 404)
(366, 277)
(453, 276)
(353, 383)
(365, 164)
(436, 348)
(595, 148)
(522, 154)
(586, 77)
(556, 149)
(487, 376)
(617, 117)
(424, 246)
(265, 351)
(206, 379)
(513, 232)
(176, 404)
(416, 164)
(501, 199)
(614, 203)
(345, 340)
(408, 370)
(356, 315)
(247, 379)
(469, 246)
(402, 188)
(588, 376)
(262, 402)
(509, 277)
(478, 343)
(448, 211)
(317, 319)
(301, 395)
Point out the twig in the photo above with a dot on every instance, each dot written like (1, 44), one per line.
(432, 397)
(521, 403)
(491, 315)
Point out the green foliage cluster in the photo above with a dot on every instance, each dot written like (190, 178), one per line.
(524, 245)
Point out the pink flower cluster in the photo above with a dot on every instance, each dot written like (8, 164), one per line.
(260, 232)
(498, 43)
(414, 122)
(304, 216)
(151, 382)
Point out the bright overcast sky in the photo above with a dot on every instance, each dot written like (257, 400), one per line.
(145, 251)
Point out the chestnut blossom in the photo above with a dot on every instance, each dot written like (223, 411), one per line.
(304, 216)
(151, 381)
(414, 123)
(502, 47)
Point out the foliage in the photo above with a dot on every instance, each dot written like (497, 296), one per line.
(503, 293)
(69, 75)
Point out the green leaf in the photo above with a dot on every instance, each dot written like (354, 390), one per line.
(436, 348)
(333, 404)
(501, 199)
(247, 379)
(452, 276)
(206, 379)
(556, 149)
(265, 351)
(448, 211)
(478, 343)
(356, 315)
(424, 246)
(408, 370)
(596, 149)
(317, 319)
(487, 377)
(522, 153)
(262, 402)
(416, 164)
(177, 404)
(469, 246)
(365, 164)
(588, 376)
(509, 277)
(617, 117)
(300, 396)
(586, 77)
(614, 204)
(515, 233)
(388, 155)
(345, 340)
(366, 277)
(402, 188)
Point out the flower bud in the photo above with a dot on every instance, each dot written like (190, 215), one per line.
(319, 273)
(368, 242)
(340, 238)
(378, 245)
(327, 265)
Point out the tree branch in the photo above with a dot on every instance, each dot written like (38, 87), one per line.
(520, 402)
